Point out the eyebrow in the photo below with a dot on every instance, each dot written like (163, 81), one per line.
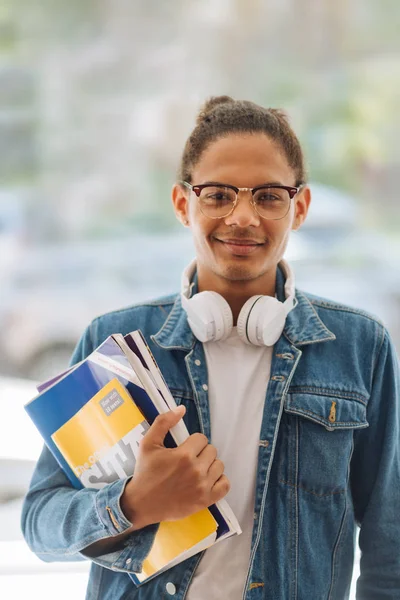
(268, 183)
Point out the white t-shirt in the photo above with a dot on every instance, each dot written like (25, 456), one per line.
(238, 376)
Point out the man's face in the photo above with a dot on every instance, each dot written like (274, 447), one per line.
(242, 246)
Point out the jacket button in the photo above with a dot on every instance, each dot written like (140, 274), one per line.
(205, 387)
(197, 362)
(171, 589)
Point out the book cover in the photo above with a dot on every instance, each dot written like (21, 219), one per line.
(100, 442)
(61, 399)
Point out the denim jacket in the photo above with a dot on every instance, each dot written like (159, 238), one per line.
(329, 459)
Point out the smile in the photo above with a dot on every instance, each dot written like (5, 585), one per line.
(240, 247)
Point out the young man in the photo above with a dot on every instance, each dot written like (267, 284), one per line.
(292, 402)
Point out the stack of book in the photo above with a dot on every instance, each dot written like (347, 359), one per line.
(93, 416)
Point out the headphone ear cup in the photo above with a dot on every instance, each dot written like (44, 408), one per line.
(242, 321)
(262, 320)
(209, 316)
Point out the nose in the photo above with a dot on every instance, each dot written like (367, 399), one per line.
(244, 213)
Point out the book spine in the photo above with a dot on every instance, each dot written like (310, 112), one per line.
(142, 351)
(147, 356)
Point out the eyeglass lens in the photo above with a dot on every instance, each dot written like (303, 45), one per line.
(269, 202)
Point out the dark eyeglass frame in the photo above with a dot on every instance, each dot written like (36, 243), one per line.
(197, 189)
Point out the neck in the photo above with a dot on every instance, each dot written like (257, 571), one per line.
(237, 292)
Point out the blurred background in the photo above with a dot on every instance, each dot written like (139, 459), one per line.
(97, 99)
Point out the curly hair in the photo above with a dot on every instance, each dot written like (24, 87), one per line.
(222, 115)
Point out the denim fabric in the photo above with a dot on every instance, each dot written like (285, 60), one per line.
(328, 459)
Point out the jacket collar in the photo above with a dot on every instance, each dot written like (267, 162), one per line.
(303, 325)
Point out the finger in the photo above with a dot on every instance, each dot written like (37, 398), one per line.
(220, 489)
(194, 444)
(207, 456)
(161, 425)
(215, 471)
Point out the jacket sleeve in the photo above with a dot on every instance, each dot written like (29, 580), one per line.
(59, 522)
(375, 480)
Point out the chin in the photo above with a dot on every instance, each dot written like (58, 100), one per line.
(239, 272)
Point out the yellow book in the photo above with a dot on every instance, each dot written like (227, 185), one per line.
(100, 444)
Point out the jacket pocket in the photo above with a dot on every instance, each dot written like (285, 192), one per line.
(317, 441)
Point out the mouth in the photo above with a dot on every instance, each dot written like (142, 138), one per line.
(240, 247)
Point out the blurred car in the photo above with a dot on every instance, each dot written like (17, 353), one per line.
(335, 257)
(53, 294)
(22, 574)
(14, 226)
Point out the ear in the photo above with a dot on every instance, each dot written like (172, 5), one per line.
(302, 204)
(181, 203)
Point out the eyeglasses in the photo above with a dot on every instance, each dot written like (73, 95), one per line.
(218, 200)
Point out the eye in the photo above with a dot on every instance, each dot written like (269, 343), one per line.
(217, 195)
(270, 196)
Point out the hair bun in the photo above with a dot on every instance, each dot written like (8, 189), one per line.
(209, 106)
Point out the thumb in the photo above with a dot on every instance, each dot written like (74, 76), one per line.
(161, 425)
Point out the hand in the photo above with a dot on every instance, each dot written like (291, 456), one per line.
(172, 483)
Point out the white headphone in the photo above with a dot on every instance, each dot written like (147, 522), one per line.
(261, 319)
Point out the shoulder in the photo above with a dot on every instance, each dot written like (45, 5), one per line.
(146, 316)
(326, 307)
(347, 322)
